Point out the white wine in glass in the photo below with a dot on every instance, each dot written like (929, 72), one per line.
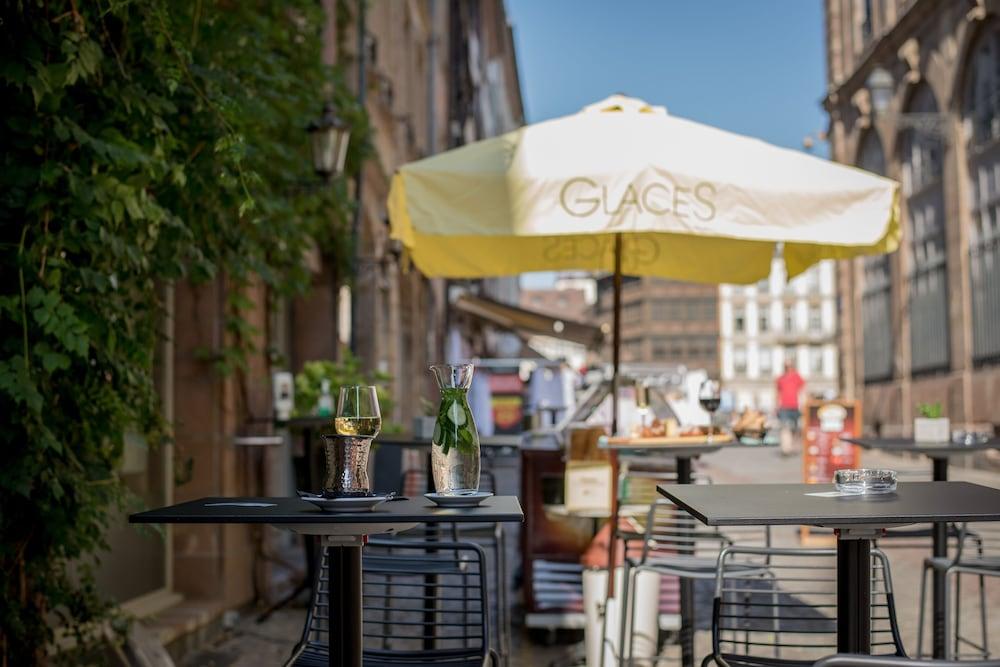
(364, 426)
(358, 412)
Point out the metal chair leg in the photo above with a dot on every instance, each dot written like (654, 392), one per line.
(920, 617)
(946, 593)
(982, 617)
(958, 613)
(503, 618)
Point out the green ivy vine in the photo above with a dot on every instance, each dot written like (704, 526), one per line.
(143, 143)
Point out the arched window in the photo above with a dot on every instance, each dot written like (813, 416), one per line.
(920, 153)
(981, 115)
(876, 299)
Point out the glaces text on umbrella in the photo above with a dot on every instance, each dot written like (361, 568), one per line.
(581, 197)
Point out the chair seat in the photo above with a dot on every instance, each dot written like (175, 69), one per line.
(378, 564)
(317, 656)
(696, 567)
(734, 660)
(989, 564)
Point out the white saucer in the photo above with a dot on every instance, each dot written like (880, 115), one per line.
(462, 500)
(345, 504)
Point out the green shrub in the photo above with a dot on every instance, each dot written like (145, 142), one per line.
(143, 143)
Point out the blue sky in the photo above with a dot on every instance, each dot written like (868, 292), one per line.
(756, 67)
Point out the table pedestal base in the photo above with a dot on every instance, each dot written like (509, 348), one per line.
(854, 573)
(344, 557)
(939, 545)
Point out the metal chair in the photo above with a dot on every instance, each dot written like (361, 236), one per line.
(425, 603)
(675, 543)
(786, 615)
(489, 535)
(852, 660)
(983, 541)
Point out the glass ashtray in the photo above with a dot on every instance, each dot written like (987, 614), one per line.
(865, 481)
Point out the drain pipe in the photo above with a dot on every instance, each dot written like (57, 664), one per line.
(358, 178)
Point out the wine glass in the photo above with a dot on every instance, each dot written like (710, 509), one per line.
(642, 402)
(358, 412)
(709, 396)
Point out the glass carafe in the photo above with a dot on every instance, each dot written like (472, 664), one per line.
(455, 445)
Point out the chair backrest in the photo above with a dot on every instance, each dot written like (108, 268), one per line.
(978, 541)
(423, 602)
(792, 604)
(852, 660)
(671, 531)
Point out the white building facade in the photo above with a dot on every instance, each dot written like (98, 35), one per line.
(762, 325)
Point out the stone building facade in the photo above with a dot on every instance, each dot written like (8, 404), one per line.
(922, 325)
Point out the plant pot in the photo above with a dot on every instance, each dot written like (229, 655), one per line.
(932, 430)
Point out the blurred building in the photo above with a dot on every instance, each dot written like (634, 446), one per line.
(435, 74)
(914, 94)
(763, 325)
(570, 303)
(663, 321)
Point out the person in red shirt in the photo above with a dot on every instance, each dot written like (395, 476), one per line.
(788, 386)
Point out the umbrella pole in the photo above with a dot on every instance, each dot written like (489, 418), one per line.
(616, 340)
(616, 345)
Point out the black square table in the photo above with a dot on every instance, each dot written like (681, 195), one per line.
(343, 535)
(940, 454)
(856, 520)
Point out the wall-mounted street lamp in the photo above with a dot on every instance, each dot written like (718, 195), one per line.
(881, 88)
(330, 136)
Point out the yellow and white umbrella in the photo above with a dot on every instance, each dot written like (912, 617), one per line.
(690, 201)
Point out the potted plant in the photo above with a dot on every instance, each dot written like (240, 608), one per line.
(423, 425)
(930, 426)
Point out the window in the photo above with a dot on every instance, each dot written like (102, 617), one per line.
(739, 360)
(866, 22)
(815, 319)
(815, 360)
(928, 290)
(765, 361)
(877, 323)
(789, 320)
(982, 124)
(791, 356)
(762, 322)
(739, 320)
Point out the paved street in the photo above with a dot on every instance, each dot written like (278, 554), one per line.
(249, 644)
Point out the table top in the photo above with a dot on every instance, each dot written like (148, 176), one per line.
(796, 504)
(684, 447)
(299, 512)
(931, 449)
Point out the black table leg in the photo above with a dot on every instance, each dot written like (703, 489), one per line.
(687, 585)
(430, 580)
(345, 605)
(939, 538)
(854, 594)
